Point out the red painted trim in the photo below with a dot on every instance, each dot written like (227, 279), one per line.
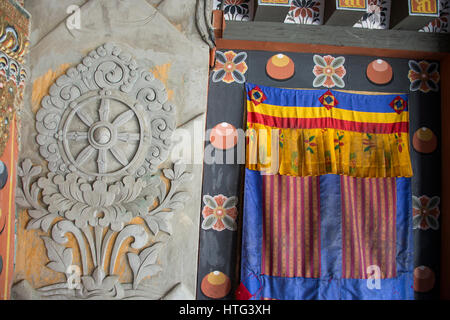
(316, 123)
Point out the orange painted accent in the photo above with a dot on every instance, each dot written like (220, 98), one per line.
(445, 195)
(212, 57)
(424, 6)
(351, 4)
(7, 218)
(162, 73)
(42, 85)
(218, 23)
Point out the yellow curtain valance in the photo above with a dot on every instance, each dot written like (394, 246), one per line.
(317, 132)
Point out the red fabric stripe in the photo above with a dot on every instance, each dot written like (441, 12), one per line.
(318, 271)
(311, 226)
(344, 229)
(302, 229)
(272, 209)
(281, 237)
(294, 182)
(312, 123)
(394, 228)
(283, 217)
(264, 238)
(380, 242)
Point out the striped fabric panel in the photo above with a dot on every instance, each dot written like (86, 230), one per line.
(291, 226)
(368, 226)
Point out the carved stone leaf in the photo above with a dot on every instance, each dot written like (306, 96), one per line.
(60, 257)
(137, 207)
(180, 173)
(169, 174)
(179, 168)
(25, 169)
(146, 266)
(162, 191)
(181, 196)
(178, 200)
(40, 220)
(134, 261)
(21, 200)
(159, 222)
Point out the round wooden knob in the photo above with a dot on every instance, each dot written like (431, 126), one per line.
(280, 67)
(379, 72)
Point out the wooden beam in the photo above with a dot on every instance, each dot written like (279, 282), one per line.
(337, 36)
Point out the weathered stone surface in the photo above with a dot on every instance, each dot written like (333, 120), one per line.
(55, 11)
(168, 47)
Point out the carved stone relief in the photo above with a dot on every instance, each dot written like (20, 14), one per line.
(104, 129)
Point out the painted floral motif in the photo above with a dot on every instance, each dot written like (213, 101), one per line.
(235, 9)
(219, 213)
(426, 213)
(369, 143)
(439, 25)
(282, 140)
(305, 12)
(352, 162)
(230, 67)
(329, 71)
(328, 162)
(338, 141)
(399, 141)
(424, 76)
(310, 144)
(377, 15)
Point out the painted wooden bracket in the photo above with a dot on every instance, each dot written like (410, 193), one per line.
(271, 10)
(344, 12)
(413, 14)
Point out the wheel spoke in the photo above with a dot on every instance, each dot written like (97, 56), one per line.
(123, 118)
(84, 155)
(86, 118)
(118, 154)
(77, 135)
(129, 137)
(103, 111)
(101, 161)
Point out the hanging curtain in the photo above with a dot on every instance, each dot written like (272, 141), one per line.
(327, 200)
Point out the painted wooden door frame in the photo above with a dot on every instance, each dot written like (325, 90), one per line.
(443, 58)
